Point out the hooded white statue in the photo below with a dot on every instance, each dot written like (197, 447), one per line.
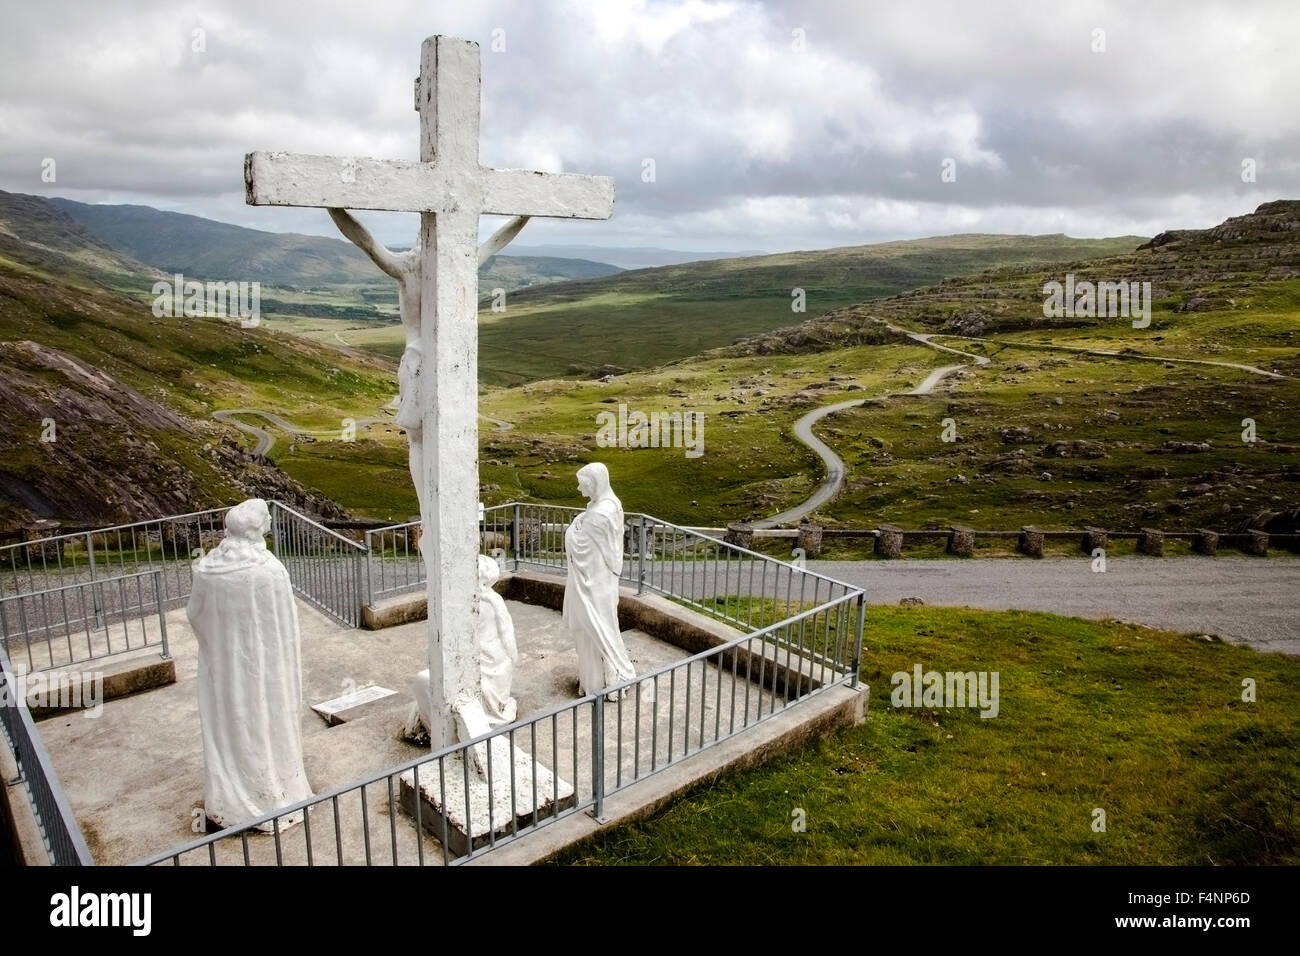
(497, 652)
(250, 674)
(593, 544)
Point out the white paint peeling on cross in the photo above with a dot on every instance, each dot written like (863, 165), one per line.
(450, 190)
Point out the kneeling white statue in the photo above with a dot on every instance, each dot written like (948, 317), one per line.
(243, 613)
(593, 544)
(498, 654)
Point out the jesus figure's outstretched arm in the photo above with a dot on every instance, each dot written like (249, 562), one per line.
(501, 238)
(360, 237)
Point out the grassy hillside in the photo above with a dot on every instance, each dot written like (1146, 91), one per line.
(34, 233)
(131, 394)
(1219, 293)
(646, 317)
(1053, 438)
(1048, 437)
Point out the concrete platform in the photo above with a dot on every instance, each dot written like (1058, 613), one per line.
(134, 775)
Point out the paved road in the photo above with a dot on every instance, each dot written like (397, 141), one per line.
(265, 440)
(803, 432)
(1105, 353)
(835, 469)
(1243, 600)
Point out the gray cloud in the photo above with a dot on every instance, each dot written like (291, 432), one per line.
(756, 144)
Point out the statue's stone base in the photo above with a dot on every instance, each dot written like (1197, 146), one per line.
(472, 825)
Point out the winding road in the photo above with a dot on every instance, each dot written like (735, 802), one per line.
(835, 468)
(266, 441)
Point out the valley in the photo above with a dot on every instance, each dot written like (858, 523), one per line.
(1057, 422)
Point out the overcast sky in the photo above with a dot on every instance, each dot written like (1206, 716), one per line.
(773, 126)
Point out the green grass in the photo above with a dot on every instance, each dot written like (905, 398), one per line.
(371, 476)
(904, 473)
(749, 404)
(1147, 725)
(900, 470)
(648, 317)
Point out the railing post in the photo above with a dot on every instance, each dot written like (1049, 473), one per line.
(640, 557)
(359, 582)
(275, 530)
(96, 603)
(162, 614)
(370, 580)
(514, 534)
(859, 624)
(598, 758)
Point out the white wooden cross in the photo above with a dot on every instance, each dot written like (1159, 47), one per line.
(450, 190)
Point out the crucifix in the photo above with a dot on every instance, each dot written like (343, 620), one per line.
(439, 282)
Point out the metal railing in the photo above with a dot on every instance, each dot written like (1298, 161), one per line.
(552, 765)
(166, 544)
(393, 562)
(804, 636)
(60, 833)
(735, 585)
(394, 565)
(327, 569)
(76, 623)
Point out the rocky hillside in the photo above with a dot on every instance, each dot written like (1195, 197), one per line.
(1190, 271)
(127, 397)
(78, 445)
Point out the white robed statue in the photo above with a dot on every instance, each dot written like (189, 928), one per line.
(497, 651)
(497, 656)
(250, 674)
(593, 544)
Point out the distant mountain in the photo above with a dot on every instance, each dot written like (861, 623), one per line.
(647, 317)
(852, 272)
(1200, 270)
(630, 257)
(37, 234)
(205, 248)
(520, 272)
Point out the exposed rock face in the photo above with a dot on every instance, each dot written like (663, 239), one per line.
(834, 329)
(1183, 448)
(1201, 269)
(1081, 448)
(1272, 220)
(970, 322)
(1276, 522)
(116, 455)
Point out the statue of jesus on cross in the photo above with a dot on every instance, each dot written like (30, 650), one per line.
(405, 268)
(439, 284)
